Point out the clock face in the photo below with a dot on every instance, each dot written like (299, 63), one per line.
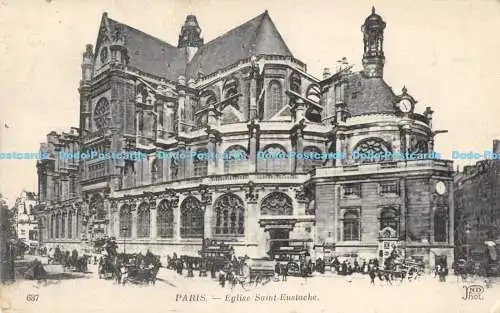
(405, 106)
(440, 188)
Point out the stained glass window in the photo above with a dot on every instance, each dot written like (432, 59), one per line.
(101, 113)
(274, 99)
(200, 163)
(276, 203)
(311, 161)
(165, 220)
(192, 218)
(229, 215)
(371, 150)
(274, 160)
(125, 221)
(143, 220)
(236, 161)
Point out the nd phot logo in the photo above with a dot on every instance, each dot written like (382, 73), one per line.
(473, 292)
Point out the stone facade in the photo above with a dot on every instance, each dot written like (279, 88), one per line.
(477, 215)
(245, 93)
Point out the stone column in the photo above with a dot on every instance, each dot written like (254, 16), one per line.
(207, 221)
(339, 148)
(253, 133)
(251, 222)
(299, 110)
(253, 98)
(403, 213)
(451, 214)
(177, 222)
(336, 208)
(153, 226)
(181, 162)
(181, 100)
(134, 221)
(299, 146)
(212, 150)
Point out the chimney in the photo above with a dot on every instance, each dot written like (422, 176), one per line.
(496, 146)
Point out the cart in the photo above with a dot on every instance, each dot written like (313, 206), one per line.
(256, 271)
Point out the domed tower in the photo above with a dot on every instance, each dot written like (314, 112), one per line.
(190, 37)
(373, 37)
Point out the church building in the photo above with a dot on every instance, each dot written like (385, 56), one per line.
(244, 93)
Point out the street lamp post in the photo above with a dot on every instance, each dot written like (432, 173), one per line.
(467, 232)
(204, 203)
(124, 232)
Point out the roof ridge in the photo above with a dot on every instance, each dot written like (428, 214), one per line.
(253, 42)
(142, 33)
(237, 27)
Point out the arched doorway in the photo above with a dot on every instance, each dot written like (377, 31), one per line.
(276, 212)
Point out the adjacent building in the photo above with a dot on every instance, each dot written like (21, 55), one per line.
(245, 93)
(26, 225)
(477, 207)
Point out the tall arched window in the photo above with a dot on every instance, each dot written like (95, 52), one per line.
(440, 225)
(165, 220)
(64, 217)
(143, 220)
(192, 218)
(77, 223)
(389, 223)
(236, 161)
(274, 160)
(276, 203)
(371, 150)
(312, 158)
(70, 224)
(275, 101)
(57, 229)
(53, 226)
(140, 122)
(229, 215)
(125, 221)
(200, 163)
(351, 229)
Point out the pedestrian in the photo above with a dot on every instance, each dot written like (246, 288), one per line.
(284, 272)
(372, 276)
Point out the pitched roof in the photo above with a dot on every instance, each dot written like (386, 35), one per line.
(366, 95)
(257, 36)
(152, 55)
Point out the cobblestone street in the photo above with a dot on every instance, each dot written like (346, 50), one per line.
(76, 292)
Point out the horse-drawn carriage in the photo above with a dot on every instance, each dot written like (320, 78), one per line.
(258, 270)
(130, 268)
(138, 274)
(253, 271)
(296, 259)
(215, 255)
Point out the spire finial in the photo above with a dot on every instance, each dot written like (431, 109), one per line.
(373, 9)
(405, 90)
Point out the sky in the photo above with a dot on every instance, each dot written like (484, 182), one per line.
(445, 52)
